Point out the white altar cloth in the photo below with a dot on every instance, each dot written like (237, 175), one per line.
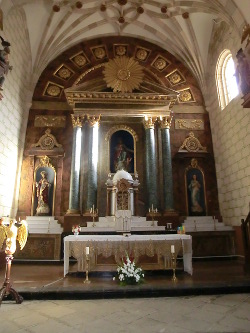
(134, 244)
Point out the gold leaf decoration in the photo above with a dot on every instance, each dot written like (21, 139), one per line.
(123, 74)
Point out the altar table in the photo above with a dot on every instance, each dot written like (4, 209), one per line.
(133, 245)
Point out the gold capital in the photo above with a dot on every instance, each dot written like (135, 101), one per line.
(165, 122)
(94, 120)
(149, 122)
(76, 121)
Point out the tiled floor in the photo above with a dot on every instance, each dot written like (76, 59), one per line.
(215, 299)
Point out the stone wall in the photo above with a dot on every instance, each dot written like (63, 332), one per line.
(14, 110)
(231, 137)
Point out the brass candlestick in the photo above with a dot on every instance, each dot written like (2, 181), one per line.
(174, 278)
(152, 213)
(94, 213)
(87, 270)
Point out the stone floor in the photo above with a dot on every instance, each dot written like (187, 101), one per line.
(219, 313)
(216, 298)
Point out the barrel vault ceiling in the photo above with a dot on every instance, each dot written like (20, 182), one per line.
(182, 28)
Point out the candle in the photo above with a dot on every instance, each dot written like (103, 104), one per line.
(91, 210)
(152, 207)
(156, 210)
(172, 249)
(149, 210)
(87, 250)
(19, 219)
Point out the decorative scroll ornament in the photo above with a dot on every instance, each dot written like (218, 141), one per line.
(149, 123)
(123, 74)
(93, 120)
(76, 121)
(192, 144)
(165, 122)
(47, 141)
(191, 124)
(44, 161)
(49, 121)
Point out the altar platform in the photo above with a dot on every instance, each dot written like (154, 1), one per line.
(35, 280)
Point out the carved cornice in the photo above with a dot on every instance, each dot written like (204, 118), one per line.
(74, 97)
(76, 121)
(165, 122)
(149, 122)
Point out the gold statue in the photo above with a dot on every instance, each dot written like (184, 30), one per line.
(8, 237)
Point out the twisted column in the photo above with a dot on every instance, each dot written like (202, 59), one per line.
(74, 192)
(165, 124)
(94, 123)
(151, 162)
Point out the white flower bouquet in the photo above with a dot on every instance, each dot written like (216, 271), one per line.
(128, 273)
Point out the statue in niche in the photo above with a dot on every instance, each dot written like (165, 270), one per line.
(42, 193)
(122, 152)
(195, 188)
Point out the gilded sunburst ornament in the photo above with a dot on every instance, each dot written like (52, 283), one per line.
(123, 74)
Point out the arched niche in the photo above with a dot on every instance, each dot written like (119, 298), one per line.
(44, 188)
(122, 149)
(195, 190)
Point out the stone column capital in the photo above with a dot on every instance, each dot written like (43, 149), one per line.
(149, 122)
(93, 120)
(76, 121)
(165, 122)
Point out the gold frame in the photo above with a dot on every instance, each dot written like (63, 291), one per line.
(114, 129)
(40, 165)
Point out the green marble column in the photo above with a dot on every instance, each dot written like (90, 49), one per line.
(151, 163)
(74, 193)
(91, 199)
(165, 124)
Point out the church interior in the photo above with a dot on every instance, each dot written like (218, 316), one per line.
(125, 129)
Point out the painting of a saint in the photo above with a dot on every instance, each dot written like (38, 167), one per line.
(122, 152)
(195, 192)
(43, 195)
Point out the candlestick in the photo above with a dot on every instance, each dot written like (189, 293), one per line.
(174, 278)
(87, 268)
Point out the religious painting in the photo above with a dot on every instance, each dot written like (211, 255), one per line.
(43, 193)
(122, 152)
(195, 191)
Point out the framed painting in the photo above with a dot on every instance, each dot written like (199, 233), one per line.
(195, 191)
(122, 152)
(44, 191)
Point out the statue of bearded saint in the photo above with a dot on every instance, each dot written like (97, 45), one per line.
(43, 195)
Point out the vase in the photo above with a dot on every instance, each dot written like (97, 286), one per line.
(76, 233)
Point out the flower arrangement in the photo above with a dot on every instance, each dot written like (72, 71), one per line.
(76, 229)
(128, 273)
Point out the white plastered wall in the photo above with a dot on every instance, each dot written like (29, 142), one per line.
(14, 110)
(231, 138)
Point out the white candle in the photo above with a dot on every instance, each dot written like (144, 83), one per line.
(93, 208)
(87, 250)
(19, 219)
(172, 249)
(156, 210)
(149, 210)
(152, 207)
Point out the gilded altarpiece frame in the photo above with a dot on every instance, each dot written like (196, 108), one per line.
(195, 190)
(124, 137)
(44, 165)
